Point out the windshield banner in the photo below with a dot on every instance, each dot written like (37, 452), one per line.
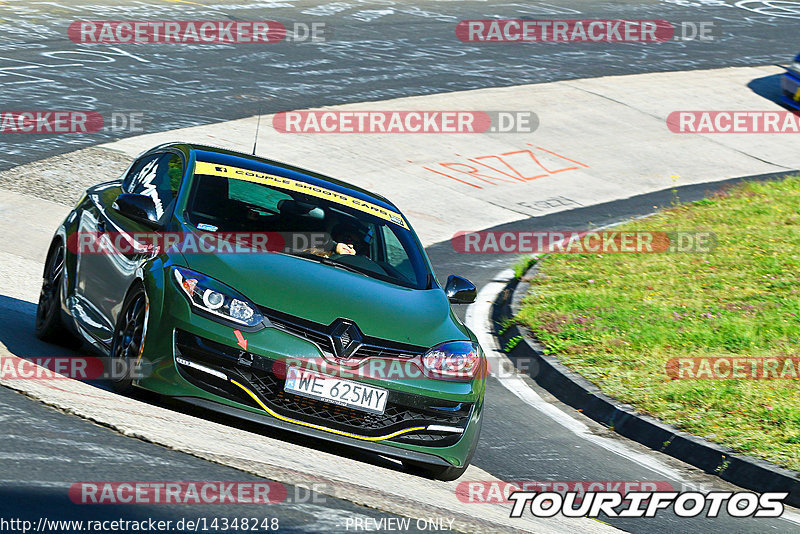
(226, 171)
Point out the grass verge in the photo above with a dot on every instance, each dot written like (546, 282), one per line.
(523, 264)
(619, 318)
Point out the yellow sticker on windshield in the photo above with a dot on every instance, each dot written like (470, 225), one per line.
(236, 173)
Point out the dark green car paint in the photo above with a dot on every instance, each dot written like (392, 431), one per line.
(96, 286)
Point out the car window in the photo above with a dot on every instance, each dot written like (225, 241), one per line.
(311, 225)
(135, 171)
(263, 198)
(395, 253)
(159, 177)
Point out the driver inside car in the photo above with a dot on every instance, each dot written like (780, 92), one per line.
(346, 239)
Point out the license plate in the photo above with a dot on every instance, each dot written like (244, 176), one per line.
(797, 95)
(335, 390)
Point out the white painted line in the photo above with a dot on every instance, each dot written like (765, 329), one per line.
(478, 320)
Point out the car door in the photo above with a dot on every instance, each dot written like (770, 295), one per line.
(105, 274)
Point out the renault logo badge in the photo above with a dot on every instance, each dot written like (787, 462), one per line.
(346, 338)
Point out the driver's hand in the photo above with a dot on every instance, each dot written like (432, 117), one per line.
(344, 248)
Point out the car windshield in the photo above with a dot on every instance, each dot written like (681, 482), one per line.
(345, 232)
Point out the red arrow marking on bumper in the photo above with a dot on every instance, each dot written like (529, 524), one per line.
(240, 340)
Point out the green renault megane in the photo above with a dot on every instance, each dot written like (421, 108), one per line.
(272, 293)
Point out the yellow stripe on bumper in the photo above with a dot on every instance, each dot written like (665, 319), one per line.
(318, 427)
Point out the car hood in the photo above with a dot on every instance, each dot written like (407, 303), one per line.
(323, 293)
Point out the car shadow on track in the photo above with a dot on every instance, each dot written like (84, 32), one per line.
(16, 331)
(769, 87)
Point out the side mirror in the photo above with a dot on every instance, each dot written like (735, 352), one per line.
(460, 290)
(139, 208)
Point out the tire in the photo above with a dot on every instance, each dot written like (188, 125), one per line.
(128, 338)
(49, 325)
(437, 472)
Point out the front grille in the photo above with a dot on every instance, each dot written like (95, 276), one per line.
(307, 331)
(265, 378)
(320, 335)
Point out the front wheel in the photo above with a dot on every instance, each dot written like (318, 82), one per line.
(49, 324)
(128, 339)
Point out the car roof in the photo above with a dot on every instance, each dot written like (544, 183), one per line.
(225, 156)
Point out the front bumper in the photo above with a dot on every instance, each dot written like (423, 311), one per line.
(790, 85)
(258, 382)
(427, 420)
(264, 419)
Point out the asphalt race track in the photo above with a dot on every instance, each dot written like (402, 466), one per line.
(378, 50)
(35, 438)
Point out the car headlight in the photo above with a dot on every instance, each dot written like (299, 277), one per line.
(211, 296)
(454, 359)
(795, 67)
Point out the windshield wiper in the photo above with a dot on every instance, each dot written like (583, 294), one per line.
(328, 261)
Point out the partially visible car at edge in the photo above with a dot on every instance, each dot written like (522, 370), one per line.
(790, 85)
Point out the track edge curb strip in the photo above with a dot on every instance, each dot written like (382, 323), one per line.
(574, 390)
